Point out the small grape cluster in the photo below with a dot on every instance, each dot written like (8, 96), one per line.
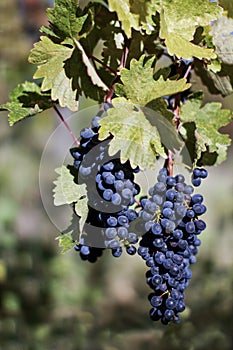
(171, 221)
(111, 194)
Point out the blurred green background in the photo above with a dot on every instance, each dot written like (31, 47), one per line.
(54, 301)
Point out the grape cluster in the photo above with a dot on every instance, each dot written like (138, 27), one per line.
(166, 224)
(111, 193)
(171, 221)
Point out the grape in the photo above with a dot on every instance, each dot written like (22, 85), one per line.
(131, 250)
(112, 221)
(156, 228)
(110, 232)
(107, 194)
(116, 252)
(156, 300)
(197, 198)
(171, 181)
(190, 227)
(85, 171)
(122, 232)
(168, 213)
(199, 209)
(115, 198)
(159, 187)
(170, 303)
(170, 194)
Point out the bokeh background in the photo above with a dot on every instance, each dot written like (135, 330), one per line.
(54, 301)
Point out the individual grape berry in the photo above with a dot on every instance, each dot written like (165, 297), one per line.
(131, 250)
(196, 181)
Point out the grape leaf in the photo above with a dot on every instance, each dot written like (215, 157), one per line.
(134, 136)
(50, 59)
(65, 241)
(63, 18)
(182, 17)
(208, 120)
(140, 87)
(222, 32)
(178, 45)
(26, 100)
(66, 191)
(128, 19)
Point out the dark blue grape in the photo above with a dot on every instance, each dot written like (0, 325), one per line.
(156, 228)
(131, 250)
(117, 252)
(171, 303)
(112, 221)
(107, 194)
(196, 181)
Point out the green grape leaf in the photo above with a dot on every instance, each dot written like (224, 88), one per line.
(63, 18)
(208, 120)
(65, 241)
(182, 17)
(181, 47)
(140, 87)
(145, 9)
(128, 19)
(222, 32)
(134, 136)
(17, 112)
(26, 100)
(81, 209)
(66, 191)
(50, 59)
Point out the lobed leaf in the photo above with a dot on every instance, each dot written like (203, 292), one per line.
(65, 241)
(181, 47)
(50, 59)
(134, 136)
(66, 191)
(64, 19)
(26, 100)
(208, 120)
(140, 87)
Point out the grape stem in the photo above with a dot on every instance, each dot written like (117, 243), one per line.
(66, 125)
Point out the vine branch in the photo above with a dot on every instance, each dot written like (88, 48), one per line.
(66, 125)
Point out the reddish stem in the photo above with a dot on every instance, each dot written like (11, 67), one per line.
(66, 125)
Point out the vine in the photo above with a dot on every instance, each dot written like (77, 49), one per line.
(148, 111)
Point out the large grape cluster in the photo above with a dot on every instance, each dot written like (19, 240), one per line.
(171, 220)
(163, 227)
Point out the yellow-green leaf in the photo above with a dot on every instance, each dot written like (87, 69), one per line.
(140, 87)
(50, 59)
(134, 136)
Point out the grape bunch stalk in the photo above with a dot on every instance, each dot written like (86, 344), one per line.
(162, 227)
